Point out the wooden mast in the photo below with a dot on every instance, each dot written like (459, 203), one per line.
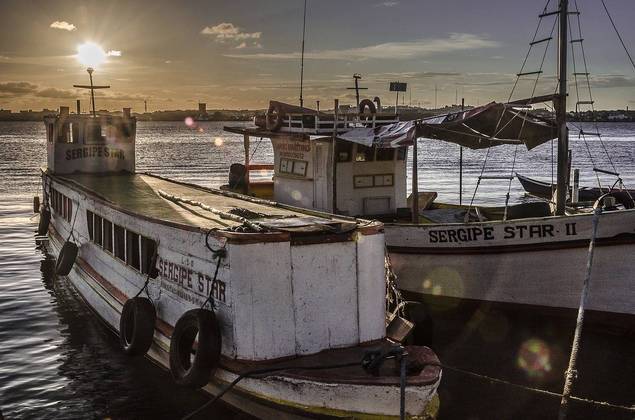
(415, 180)
(561, 111)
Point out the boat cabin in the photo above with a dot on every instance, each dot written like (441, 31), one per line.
(328, 173)
(90, 144)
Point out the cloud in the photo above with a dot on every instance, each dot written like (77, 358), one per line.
(57, 93)
(114, 53)
(11, 89)
(387, 4)
(608, 81)
(389, 50)
(228, 32)
(63, 25)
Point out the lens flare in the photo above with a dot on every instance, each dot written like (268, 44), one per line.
(90, 54)
(535, 358)
(218, 141)
(189, 121)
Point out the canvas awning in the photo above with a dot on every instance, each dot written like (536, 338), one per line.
(482, 127)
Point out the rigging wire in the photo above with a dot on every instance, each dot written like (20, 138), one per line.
(616, 32)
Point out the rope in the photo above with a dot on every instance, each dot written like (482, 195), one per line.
(571, 373)
(153, 264)
(617, 33)
(218, 254)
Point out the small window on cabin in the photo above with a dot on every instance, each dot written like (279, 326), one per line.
(64, 134)
(89, 224)
(49, 133)
(75, 133)
(299, 167)
(286, 166)
(401, 153)
(364, 153)
(148, 248)
(344, 151)
(64, 207)
(98, 233)
(132, 250)
(385, 154)
(107, 235)
(93, 133)
(70, 210)
(120, 242)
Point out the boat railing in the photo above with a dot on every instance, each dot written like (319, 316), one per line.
(320, 124)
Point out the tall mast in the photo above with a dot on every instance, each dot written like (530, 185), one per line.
(561, 111)
(302, 56)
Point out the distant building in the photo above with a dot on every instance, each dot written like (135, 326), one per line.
(618, 117)
(202, 108)
(5, 111)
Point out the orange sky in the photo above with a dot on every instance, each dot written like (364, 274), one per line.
(242, 53)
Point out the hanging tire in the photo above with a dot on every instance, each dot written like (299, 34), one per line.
(66, 258)
(136, 326)
(45, 220)
(189, 368)
(367, 103)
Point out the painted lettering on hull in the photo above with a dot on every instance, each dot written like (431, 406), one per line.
(190, 282)
(488, 233)
(95, 152)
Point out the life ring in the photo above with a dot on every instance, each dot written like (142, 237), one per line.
(367, 103)
(136, 326)
(45, 220)
(190, 369)
(274, 118)
(66, 258)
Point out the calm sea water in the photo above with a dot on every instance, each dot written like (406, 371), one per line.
(57, 360)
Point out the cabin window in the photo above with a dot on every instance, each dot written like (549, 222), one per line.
(132, 250)
(108, 235)
(97, 230)
(89, 224)
(75, 133)
(344, 151)
(385, 154)
(70, 210)
(93, 133)
(401, 153)
(148, 248)
(293, 167)
(65, 201)
(120, 242)
(364, 153)
(49, 133)
(63, 133)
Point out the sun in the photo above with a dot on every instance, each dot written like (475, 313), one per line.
(90, 54)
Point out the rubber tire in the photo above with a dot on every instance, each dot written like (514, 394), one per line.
(197, 373)
(66, 258)
(136, 326)
(367, 103)
(45, 220)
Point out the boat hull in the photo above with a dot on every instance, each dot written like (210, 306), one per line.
(539, 261)
(105, 284)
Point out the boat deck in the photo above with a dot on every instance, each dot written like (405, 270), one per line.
(141, 194)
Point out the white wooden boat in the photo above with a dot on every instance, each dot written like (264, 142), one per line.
(527, 254)
(213, 284)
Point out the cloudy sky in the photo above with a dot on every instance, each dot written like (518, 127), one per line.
(241, 53)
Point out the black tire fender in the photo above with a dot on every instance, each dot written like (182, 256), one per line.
(194, 369)
(45, 220)
(66, 258)
(136, 326)
(367, 103)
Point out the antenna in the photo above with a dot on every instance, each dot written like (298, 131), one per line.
(356, 78)
(302, 56)
(92, 88)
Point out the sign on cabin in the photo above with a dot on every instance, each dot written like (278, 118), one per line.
(398, 86)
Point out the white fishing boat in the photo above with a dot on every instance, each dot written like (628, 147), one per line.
(215, 286)
(525, 254)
